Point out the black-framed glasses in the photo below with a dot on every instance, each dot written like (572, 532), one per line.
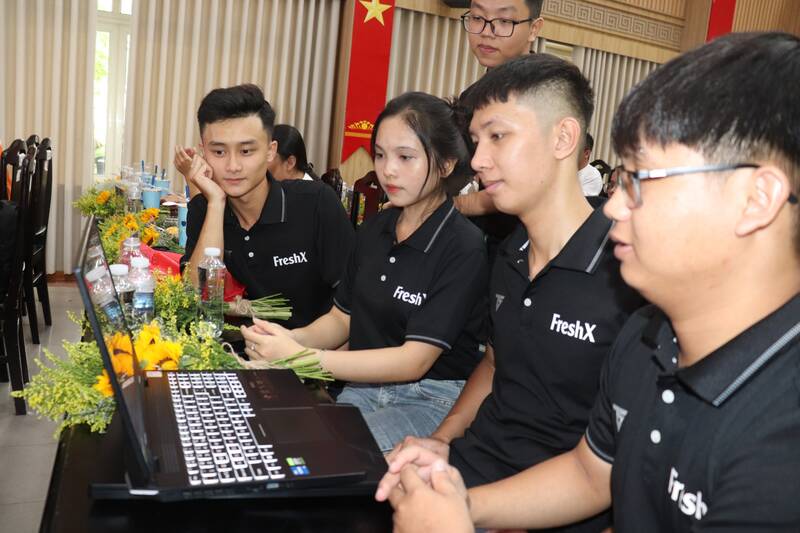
(630, 181)
(501, 27)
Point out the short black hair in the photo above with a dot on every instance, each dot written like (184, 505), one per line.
(733, 100)
(435, 123)
(534, 8)
(589, 142)
(290, 142)
(235, 102)
(531, 74)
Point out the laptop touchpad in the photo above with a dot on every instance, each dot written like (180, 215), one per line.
(295, 425)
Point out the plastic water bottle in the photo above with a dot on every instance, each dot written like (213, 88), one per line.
(133, 197)
(211, 278)
(143, 287)
(131, 247)
(119, 274)
(103, 296)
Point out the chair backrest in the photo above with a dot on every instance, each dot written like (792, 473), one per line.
(18, 205)
(12, 168)
(41, 188)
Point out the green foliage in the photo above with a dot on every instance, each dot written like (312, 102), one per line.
(176, 300)
(201, 351)
(101, 204)
(62, 390)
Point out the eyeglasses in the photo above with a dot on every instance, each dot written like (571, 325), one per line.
(630, 181)
(500, 27)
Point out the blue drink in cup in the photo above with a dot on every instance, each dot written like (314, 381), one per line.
(163, 185)
(182, 211)
(151, 198)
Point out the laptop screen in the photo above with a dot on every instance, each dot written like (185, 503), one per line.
(114, 340)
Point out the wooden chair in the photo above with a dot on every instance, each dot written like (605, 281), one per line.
(13, 361)
(35, 276)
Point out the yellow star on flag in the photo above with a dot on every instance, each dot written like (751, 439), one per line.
(374, 10)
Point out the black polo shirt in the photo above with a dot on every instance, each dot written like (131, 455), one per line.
(298, 247)
(550, 337)
(429, 288)
(712, 446)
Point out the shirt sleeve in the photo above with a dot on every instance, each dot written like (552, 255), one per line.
(335, 236)
(461, 281)
(600, 434)
(343, 298)
(195, 216)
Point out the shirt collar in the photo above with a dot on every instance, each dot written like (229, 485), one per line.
(582, 251)
(719, 375)
(274, 210)
(425, 236)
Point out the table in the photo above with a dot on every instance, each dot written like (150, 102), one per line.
(84, 457)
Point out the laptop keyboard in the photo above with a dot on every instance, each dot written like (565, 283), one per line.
(219, 447)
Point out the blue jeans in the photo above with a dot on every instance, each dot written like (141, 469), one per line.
(393, 411)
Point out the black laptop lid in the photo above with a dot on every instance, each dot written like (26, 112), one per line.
(111, 331)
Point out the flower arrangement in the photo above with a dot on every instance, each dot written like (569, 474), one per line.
(101, 204)
(78, 390)
(117, 228)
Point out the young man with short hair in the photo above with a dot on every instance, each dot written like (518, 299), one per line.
(557, 300)
(697, 426)
(291, 238)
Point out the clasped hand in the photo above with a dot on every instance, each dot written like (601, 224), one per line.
(267, 341)
(426, 493)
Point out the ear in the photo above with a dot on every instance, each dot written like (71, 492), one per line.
(568, 138)
(291, 162)
(449, 165)
(272, 150)
(768, 190)
(536, 27)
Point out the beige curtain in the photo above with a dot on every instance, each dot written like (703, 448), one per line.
(181, 49)
(48, 57)
(431, 53)
(611, 76)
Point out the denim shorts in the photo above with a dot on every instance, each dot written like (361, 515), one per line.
(395, 410)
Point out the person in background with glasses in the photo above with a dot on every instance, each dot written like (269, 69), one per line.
(501, 30)
(697, 425)
(498, 31)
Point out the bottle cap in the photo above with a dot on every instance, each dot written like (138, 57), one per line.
(119, 270)
(140, 262)
(212, 251)
(95, 274)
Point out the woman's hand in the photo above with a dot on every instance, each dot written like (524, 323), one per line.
(268, 341)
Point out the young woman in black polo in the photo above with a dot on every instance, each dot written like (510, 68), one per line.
(412, 302)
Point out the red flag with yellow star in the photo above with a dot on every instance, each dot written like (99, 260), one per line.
(369, 72)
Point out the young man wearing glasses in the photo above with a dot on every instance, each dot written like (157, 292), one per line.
(557, 298)
(501, 30)
(697, 426)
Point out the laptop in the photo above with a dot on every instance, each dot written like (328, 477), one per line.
(222, 434)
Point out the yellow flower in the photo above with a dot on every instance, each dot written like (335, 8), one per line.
(149, 235)
(173, 231)
(103, 385)
(121, 353)
(103, 197)
(148, 215)
(149, 334)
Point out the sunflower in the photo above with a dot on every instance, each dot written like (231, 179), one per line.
(121, 353)
(103, 385)
(130, 222)
(103, 197)
(148, 215)
(149, 235)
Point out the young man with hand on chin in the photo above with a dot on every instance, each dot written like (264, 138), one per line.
(291, 238)
(696, 426)
(557, 300)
